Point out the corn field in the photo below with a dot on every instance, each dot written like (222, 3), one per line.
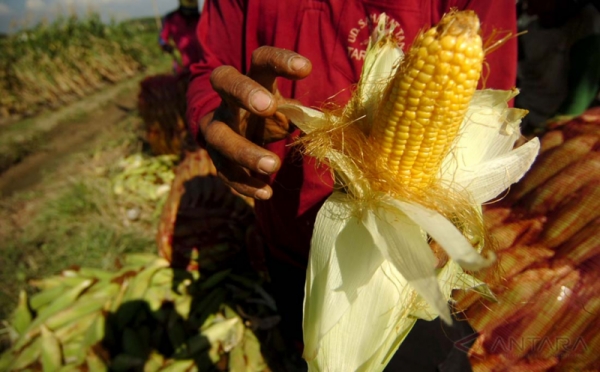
(53, 64)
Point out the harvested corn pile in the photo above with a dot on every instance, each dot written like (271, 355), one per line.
(547, 284)
(146, 178)
(162, 104)
(145, 316)
(204, 225)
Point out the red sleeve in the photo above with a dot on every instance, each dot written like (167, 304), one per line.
(164, 32)
(501, 16)
(220, 33)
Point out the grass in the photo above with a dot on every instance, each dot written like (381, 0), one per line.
(75, 218)
(50, 65)
(13, 149)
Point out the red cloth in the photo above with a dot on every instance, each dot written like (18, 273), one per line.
(333, 35)
(182, 30)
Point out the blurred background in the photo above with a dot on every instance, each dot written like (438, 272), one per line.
(16, 15)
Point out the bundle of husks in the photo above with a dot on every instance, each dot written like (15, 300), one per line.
(146, 179)
(548, 281)
(200, 308)
(144, 317)
(204, 225)
(162, 105)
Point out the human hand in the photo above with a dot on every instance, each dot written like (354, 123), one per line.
(248, 117)
(168, 48)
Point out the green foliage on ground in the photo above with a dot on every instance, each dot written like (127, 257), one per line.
(145, 316)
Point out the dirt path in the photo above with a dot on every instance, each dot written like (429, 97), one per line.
(63, 141)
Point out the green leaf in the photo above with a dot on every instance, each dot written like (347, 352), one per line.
(214, 280)
(154, 363)
(253, 355)
(55, 307)
(124, 362)
(179, 366)
(51, 352)
(6, 359)
(141, 281)
(21, 317)
(95, 333)
(27, 356)
(94, 363)
(46, 296)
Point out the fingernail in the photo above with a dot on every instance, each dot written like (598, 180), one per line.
(260, 101)
(297, 63)
(262, 194)
(267, 165)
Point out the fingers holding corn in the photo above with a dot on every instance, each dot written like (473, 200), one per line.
(248, 118)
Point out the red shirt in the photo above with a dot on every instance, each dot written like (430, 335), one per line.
(333, 35)
(182, 29)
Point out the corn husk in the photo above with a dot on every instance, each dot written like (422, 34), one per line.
(371, 272)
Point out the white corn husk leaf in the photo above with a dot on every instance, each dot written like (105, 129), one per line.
(381, 63)
(483, 161)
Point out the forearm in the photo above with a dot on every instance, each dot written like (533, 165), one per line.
(202, 101)
(220, 34)
(163, 36)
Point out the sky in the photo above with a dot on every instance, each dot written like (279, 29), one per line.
(22, 13)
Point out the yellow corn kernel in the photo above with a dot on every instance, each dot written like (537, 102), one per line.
(434, 86)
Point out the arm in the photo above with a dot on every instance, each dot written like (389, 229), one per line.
(163, 36)
(221, 36)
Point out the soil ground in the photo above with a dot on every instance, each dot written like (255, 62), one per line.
(63, 141)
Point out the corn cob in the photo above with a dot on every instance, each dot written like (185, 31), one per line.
(535, 322)
(552, 162)
(573, 216)
(530, 324)
(159, 328)
(560, 187)
(561, 193)
(520, 290)
(586, 356)
(427, 100)
(551, 140)
(510, 233)
(495, 217)
(513, 261)
(583, 246)
(576, 320)
(51, 353)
